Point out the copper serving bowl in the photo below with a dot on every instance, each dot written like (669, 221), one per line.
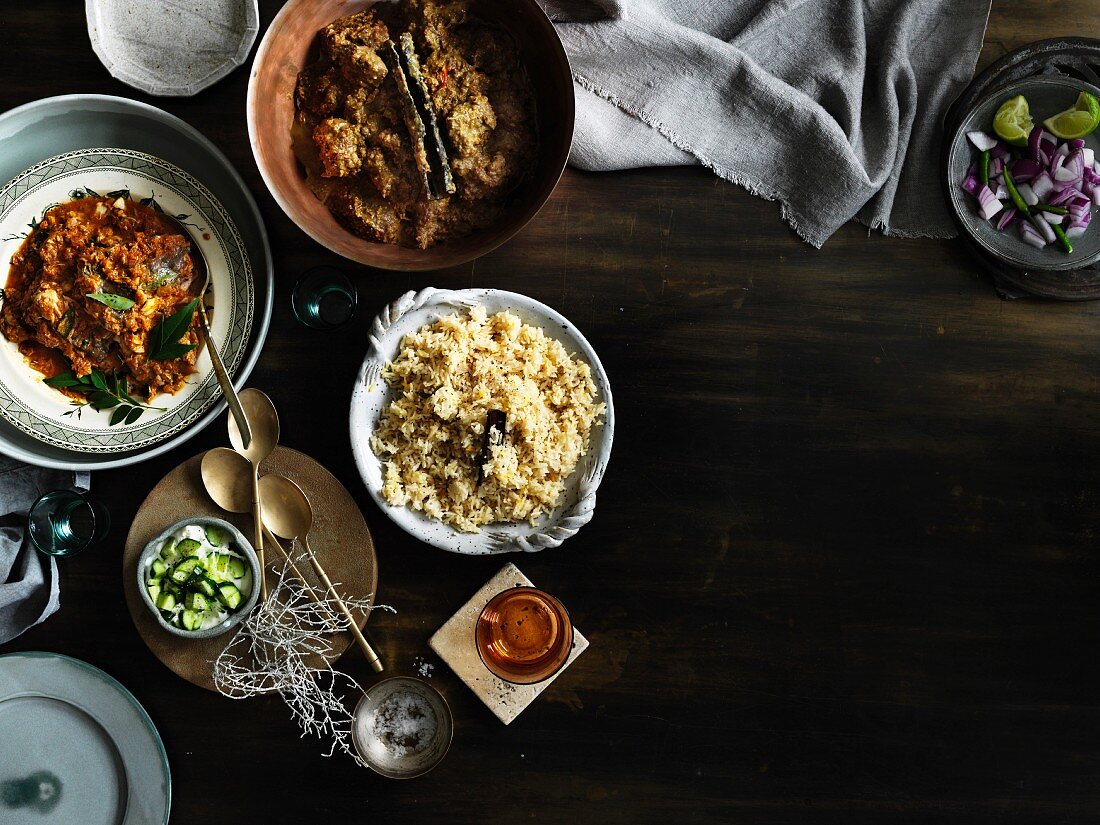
(290, 44)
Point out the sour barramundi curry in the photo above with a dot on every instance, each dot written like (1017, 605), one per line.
(88, 286)
(416, 123)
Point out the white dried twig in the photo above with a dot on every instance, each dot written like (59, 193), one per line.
(271, 652)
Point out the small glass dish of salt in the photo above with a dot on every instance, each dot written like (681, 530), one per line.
(402, 727)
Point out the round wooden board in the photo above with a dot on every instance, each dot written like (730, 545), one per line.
(340, 539)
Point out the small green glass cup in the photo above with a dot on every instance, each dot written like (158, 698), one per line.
(63, 522)
(324, 298)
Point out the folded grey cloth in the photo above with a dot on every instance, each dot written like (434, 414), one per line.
(28, 579)
(831, 107)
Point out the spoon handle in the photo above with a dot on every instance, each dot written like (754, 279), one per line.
(274, 542)
(364, 645)
(258, 531)
(235, 408)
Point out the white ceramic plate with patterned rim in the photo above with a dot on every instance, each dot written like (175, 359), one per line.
(414, 310)
(46, 414)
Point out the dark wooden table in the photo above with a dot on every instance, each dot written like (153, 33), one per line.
(844, 564)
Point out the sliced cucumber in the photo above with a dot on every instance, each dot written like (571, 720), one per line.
(216, 536)
(170, 551)
(236, 567)
(165, 601)
(196, 602)
(187, 547)
(157, 569)
(229, 595)
(182, 572)
(205, 585)
(190, 619)
(154, 590)
(217, 565)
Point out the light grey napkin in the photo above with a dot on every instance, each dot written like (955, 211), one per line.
(831, 107)
(28, 579)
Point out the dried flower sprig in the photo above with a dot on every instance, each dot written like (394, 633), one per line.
(271, 652)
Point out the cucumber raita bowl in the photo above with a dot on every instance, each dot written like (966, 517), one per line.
(199, 577)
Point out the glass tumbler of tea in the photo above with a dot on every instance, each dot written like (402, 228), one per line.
(63, 522)
(524, 635)
(324, 298)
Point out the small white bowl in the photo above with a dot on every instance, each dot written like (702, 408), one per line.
(371, 394)
(152, 551)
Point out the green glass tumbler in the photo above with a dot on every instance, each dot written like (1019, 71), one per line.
(324, 298)
(63, 522)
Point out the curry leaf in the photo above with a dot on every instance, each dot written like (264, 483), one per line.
(63, 381)
(110, 299)
(102, 393)
(166, 335)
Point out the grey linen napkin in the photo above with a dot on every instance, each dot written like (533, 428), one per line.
(831, 107)
(28, 579)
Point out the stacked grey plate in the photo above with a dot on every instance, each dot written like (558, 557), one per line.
(56, 125)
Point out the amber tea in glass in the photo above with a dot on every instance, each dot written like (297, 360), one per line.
(524, 635)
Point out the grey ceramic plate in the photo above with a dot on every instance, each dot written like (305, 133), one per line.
(169, 48)
(77, 747)
(1046, 96)
(56, 125)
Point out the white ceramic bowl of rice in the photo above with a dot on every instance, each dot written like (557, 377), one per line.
(418, 420)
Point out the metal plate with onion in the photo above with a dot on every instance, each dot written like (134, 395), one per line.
(1046, 96)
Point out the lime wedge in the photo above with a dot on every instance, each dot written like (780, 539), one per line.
(1012, 123)
(1077, 122)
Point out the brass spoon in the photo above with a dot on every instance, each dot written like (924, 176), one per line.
(287, 513)
(260, 413)
(198, 257)
(227, 479)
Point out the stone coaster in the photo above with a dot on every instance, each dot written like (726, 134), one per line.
(454, 643)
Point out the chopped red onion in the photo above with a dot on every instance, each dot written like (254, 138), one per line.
(1025, 170)
(1030, 235)
(1066, 174)
(1007, 217)
(1042, 185)
(988, 203)
(1058, 198)
(982, 141)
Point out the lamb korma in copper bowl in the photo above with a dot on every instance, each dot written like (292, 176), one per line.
(411, 135)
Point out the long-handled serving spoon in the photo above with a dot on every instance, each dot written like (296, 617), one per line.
(227, 478)
(198, 258)
(287, 513)
(261, 414)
